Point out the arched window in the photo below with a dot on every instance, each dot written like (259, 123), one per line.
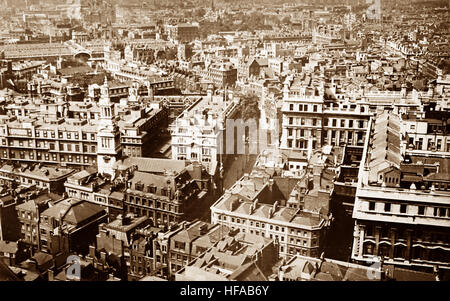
(418, 253)
(384, 250)
(400, 251)
(369, 248)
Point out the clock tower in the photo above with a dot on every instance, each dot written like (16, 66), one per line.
(108, 134)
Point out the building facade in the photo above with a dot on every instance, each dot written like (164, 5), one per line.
(401, 208)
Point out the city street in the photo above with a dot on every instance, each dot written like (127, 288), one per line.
(237, 165)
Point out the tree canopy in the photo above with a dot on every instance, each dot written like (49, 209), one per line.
(84, 81)
(249, 107)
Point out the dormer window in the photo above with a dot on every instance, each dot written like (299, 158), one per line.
(151, 189)
(139, 186)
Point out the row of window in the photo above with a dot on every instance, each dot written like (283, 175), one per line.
(344, 135)
(75, 147)
(344, 107)
(37, 182)
(160, 217)
(402, 234)
(132, 140)
(301, 133)
(432, 144)
(401, 252)
(334, 122)
(65, 135)
(24, 214)
(62, 146)
(179, 257)
(303, 144)
(421, 210)
(205, 151)
(54, 157)
(302, 242)
(304, 121)
(303, 108)
(343, 123)
(281, 239)
(28, 227)
(298, 251)
(261, 233)
(263, 225)
(154, 204)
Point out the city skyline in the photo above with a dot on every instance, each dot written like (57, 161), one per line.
(225, 141)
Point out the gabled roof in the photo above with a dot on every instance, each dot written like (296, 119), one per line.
(82, 212)
(386, 140)
(73, 211)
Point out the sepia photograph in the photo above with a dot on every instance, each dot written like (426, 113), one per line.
(188, 143)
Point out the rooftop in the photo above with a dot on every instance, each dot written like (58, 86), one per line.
(73, 211)
(152, 165)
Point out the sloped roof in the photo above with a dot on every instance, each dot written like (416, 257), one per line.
(42, 258)
(74, 211)
(154, 165)
(385, 144)
(82, 174)
(6, 274)
(355, 274)
(40, 202)
(192, 232)
(149, 179)
(213, 236)
(248, 272)
(81, 212)
(8, 247)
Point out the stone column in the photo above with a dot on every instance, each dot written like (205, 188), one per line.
(377, 240)
(408, 244)
(393, 237)
(361, 240)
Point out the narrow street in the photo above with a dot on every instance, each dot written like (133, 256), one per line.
(237, 165)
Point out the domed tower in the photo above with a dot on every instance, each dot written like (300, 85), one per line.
(108, 135)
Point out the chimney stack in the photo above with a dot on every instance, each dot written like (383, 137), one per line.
(255, 203)
(317, 176)
(430, 90)
(275, 206)
(270, 212)
(51, 275)
(403, 90)
(103, 256)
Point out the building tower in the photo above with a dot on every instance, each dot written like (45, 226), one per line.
(108, 135)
